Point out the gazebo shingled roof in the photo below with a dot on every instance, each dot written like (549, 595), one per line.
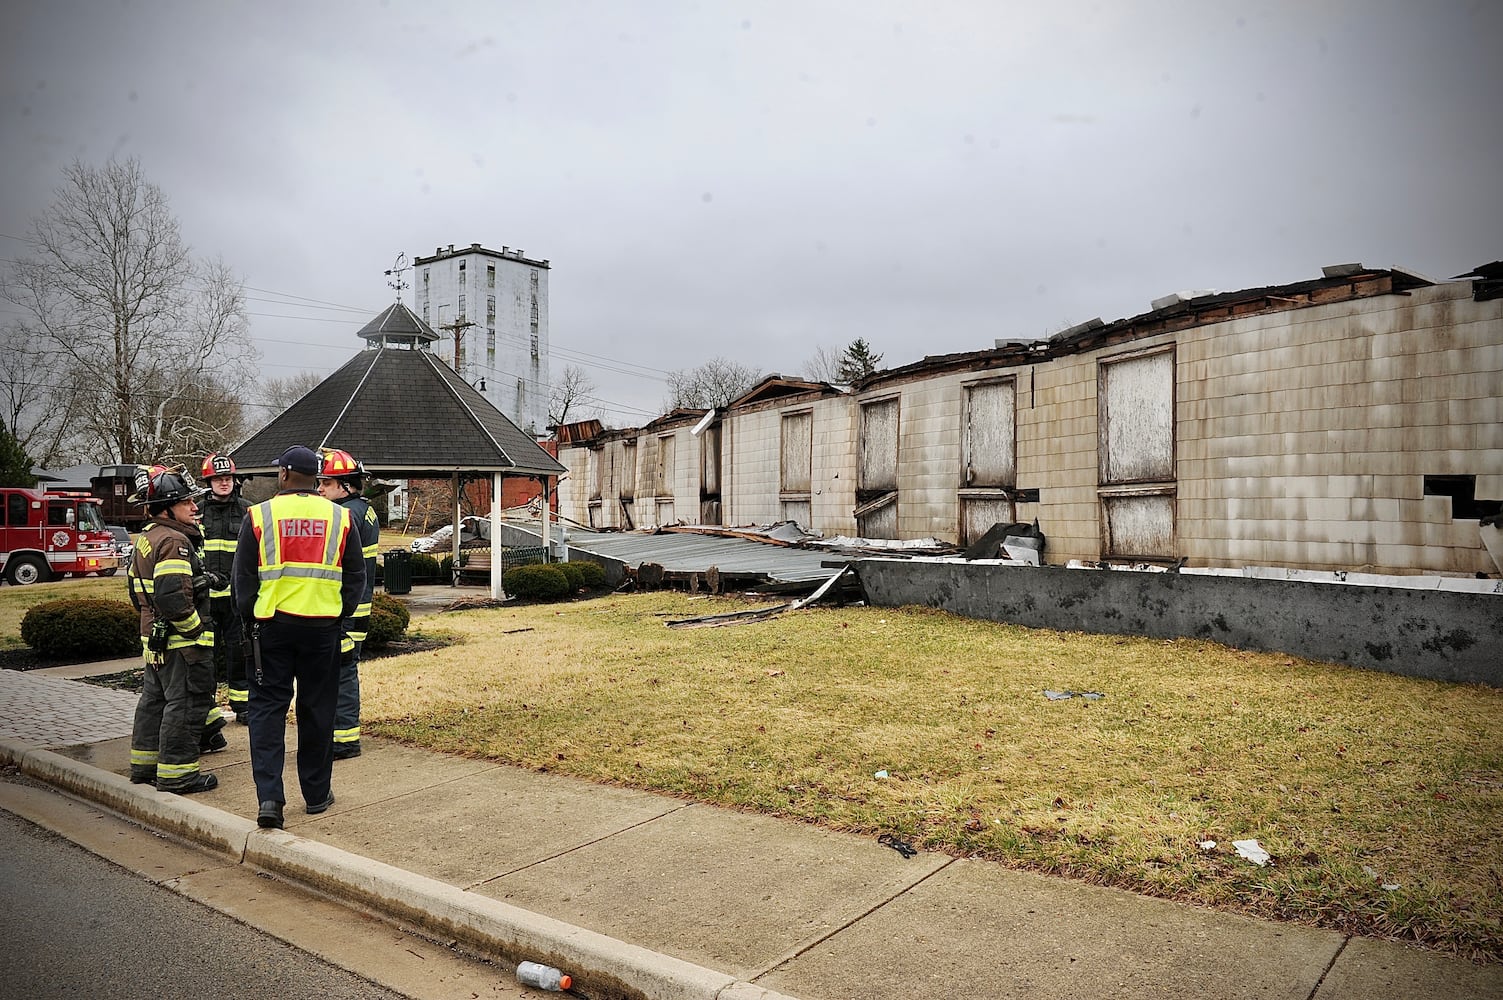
(402, 412)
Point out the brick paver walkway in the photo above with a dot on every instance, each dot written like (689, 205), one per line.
(53, 711)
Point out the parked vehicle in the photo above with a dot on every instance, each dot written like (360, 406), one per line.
(123, 543)
(43, 535)
(113, 487)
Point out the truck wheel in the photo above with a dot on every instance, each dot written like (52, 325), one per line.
(107, 572)
(26, 570)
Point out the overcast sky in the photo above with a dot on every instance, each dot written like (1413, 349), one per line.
(757, 179)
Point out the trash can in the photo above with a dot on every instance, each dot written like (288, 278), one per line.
(397, 571)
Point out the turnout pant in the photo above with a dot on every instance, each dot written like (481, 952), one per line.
(347, 713)
(176, 696)
(299, 658)
(229, 651)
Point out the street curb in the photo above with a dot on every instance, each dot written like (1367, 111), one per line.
(177, 814)
(602, 966)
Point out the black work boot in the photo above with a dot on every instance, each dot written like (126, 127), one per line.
(203, 781)
(270, 815)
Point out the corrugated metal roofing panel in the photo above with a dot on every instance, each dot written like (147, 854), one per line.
(688, 553)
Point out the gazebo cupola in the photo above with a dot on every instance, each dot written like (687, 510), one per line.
(398, 327)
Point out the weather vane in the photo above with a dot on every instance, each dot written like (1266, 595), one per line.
(397, 267)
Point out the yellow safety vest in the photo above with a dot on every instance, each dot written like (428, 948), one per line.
(300, 550)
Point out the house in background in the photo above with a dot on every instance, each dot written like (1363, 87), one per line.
(1349, 422)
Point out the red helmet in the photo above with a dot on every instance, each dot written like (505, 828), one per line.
(340, 465)
(216, 464)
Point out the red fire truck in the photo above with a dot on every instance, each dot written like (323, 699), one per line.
(43, 535)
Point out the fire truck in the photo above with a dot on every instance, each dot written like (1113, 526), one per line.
(43, 535)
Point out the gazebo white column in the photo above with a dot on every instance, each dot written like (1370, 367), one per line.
(454, 535)
(497, 591)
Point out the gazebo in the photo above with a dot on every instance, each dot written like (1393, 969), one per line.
(405, 413)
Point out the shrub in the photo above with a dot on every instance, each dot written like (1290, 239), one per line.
(83, 628)
(424, 566)
(446, 567)
(572, 573)
(389, 620)
(592, 573)
(538, 582)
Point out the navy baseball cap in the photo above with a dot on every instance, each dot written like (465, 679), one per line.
(299, 459)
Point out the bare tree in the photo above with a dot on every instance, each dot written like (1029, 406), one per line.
(713, 384)
(277, 394)
(144, 334)
(569, 394)
(38, 404)
(824, 366)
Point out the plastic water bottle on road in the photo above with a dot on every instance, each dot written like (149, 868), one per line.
(544, 977)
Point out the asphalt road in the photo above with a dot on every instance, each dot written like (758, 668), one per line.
(74, 925)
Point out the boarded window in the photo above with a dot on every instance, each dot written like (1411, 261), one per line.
(627, 474)
(797, 511)
(663, 477)
(1138, 527)
(1137, 419)
(878, 518)
(1135, 403)
(797, 449)
(597, 473)
(989, 451)
(979, 513)
(709, 462)
(878, 466)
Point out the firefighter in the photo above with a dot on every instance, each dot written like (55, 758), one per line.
(170, 589)
(222, 513)
(299, 573)
(340, 478)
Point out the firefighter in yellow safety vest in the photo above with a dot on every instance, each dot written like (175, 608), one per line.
(299, 572)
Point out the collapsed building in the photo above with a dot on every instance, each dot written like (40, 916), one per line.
(1351, 422)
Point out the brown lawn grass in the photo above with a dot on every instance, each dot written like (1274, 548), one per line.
(1351, 779)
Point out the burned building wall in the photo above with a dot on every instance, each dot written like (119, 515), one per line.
(792, 460)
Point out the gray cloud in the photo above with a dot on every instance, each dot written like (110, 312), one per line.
(754, 180)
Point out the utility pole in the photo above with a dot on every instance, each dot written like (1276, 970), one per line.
(458, 327)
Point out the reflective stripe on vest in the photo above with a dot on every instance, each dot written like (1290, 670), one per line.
(300, 538)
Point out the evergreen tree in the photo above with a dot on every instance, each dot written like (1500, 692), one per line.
(15, 464)
(858, 361)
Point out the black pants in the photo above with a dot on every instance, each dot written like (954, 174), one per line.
(229, 650)
(301, 655)
(176, 695)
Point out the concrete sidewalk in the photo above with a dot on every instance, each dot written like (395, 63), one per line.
(640, 895)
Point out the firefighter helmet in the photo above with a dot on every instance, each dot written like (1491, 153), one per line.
(158, 487)
(341, 465)
(216, 464)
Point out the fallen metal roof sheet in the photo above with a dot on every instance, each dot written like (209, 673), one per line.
(682, 552)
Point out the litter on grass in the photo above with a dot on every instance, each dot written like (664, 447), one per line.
(1067, 695)
(1252, 851)
(1208, 845)
(880, 774)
